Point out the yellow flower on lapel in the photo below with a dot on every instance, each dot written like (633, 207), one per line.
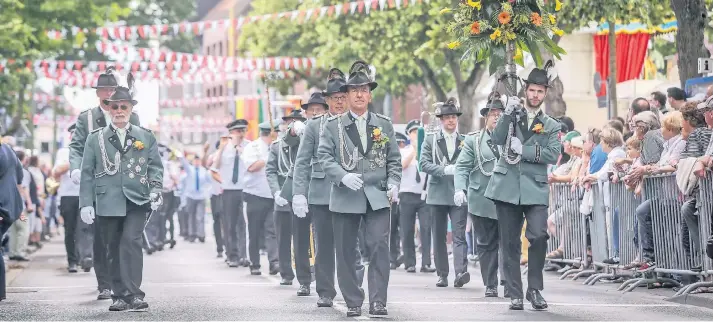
(537, 128)
(460, 146)
(138, 145)
(379, 138)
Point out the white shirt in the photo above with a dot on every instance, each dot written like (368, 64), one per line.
(227, 160)
(256, 182)
(450, 142)
(408, 176)
(121, 132)
(360, 121)
(216, 187)
(67, 187)
(531, 116)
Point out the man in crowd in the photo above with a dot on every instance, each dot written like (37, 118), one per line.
(676, 98)
(11, 201)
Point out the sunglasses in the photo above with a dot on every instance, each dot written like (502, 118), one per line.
(123, 107)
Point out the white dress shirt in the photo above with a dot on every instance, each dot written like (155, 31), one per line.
(67, 188)
(360, 121)
(121, 132)
(408, 176)
(450, 142)
(256, 182)
(227, 159)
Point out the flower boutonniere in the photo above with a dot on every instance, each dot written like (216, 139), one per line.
(138, 145)
(538, 128)
(379, 139)
(460, 146)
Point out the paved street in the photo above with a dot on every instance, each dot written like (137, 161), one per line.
(189, 283)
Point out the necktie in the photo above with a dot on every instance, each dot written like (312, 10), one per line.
(236, 167)
(530, 118)
(362, 130)
(450, 144)
(122, 135)
(198, 181)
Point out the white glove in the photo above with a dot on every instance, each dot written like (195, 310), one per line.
(353, 181)
(76, 176)
(459, 198)
(450, 170)
(299, 127)
(299, 206)
(156, 200)
(512, 103)
(516, 145)
(393, 192)
(279, 200)
(87, 214)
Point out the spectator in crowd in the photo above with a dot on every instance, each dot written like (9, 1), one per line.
(707, 108)
(616, 124)
(37, 194)
(11, 176)
(20, 230)
(594, 157)
(639, 105)
(648, 131)
(657, 100)
(676, 98)
(672, 148)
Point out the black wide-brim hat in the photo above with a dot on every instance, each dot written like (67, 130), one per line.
(448, 108)
(296, 114)
(359, 76)
(315, 98)
(106, 81)
(492, 104)
(335, 81)
(120, 94)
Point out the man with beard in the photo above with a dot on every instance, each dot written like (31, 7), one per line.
(87, 122)
(438, 157)
(359, 155)
(529, 142)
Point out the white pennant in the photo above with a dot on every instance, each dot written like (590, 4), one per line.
(338, 10)
(353, 6)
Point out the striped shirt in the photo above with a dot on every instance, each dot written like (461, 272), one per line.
(651, 147)
(697, 143)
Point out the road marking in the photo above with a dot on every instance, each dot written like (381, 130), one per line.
(508, 303)
(177, 284)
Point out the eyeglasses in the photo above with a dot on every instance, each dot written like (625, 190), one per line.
(123, 107)
(337, 98)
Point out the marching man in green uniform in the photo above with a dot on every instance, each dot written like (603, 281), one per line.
(473, 170)
(438, 157)
(529, 142)
(122, 171)
(359, 155)
(88, 121)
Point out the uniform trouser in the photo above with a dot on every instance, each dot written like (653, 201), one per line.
(510, 221)
(261, 226)
(216, 208)
(376, 225)
(126, 262)
(153, 230)
(487, 239)
(183, 221)
(410, 206)
(170, 203)
(324, 263)
(19, 236)
(234, 225)
(196, 217)
(292, 228)
(458, 215)
(77, 234)
(394, 238)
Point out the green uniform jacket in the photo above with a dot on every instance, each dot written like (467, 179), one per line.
(279, 166)
(525, 183)
(340, 152)
(79, 137)
(469, 176)
(140, 170)
(309, 178)
(434, 160)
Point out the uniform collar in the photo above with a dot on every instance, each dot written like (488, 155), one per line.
(127, 127)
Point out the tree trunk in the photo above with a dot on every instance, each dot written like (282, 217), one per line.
(555, 105)
(689, 38)
(18, 112)
(613, 106)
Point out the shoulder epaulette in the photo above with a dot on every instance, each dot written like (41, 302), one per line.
(96, 130)
(333, 117)
(143, 128)
(383, 116)
(319, 116)
(474, 132)
(85, 111)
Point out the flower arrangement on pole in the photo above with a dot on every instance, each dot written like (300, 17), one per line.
(501, 30)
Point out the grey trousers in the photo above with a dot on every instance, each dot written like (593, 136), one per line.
(216, 209)
(411, 206)
(459, 219)
(196, 217)
(234, 225)
(376, 227)
(100, 250)
(125, 257)
(153, 230)
(488, 237)
(394, 237)
(690, 217)
(510, 221)
(77, 235)
(646, 230)
(283, 226)
(324, 264)
(261, 226)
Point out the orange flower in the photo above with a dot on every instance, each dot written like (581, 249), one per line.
(536, 19)
(139, 145)
(475, 28)
(537, 128)
(504, 17)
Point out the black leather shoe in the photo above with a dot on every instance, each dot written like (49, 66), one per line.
(411, 269)
(442, 281)
(516, 304)
(72, 268)
(461, 279)
(232, 264)
(303, 290)
(274, 269)
(427, 269)
(491, 292)
(285, 281)
(244, 262)
(118, 306)
(87, 264)
(378, 308)
(535, 298)
(149, 251)
(255, 271)
(353, 311)
(138, 304)
(159, 248)
(172, 243)
(201, 239)
(324, 302)
(104, 295)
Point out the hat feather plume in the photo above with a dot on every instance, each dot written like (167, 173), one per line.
(451, 101)
(130, 83)
(551, 70)
(362, 66)
(335, 73)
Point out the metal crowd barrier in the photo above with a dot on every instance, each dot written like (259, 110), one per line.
(705, 220)
(571, 232)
